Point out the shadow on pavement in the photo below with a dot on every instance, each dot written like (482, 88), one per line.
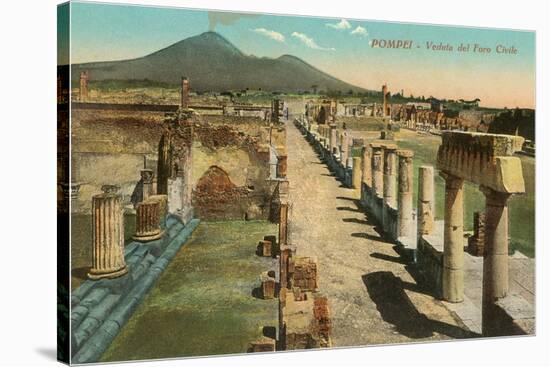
(395, 307)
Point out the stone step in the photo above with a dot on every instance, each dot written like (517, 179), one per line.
(92, 322)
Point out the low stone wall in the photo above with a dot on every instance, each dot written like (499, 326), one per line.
(101, 308)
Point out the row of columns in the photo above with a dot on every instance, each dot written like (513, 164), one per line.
(381, 168)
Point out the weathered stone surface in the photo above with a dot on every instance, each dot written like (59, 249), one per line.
(484, 159)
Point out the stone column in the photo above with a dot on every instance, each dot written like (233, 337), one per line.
(384, 100)
(366, 167)
(356, 173)
(148, 221)
(147, 183)
(83, 86)
(425, 212)
(283, 222)
(389, 174)
(185, 87)
(405, 224)
(453, 244)
(495, 257)
(344, 148)
(333, 140)
(107, 235)
(377, 165)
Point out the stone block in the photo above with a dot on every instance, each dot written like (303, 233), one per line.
(268, 285)
(263, 344)
(305, 274)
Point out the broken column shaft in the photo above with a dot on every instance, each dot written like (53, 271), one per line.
(148, 221)
(107, 236)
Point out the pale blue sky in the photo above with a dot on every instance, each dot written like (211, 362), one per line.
(103, 32)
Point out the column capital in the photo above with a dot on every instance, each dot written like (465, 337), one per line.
(405, 153)
(451, 181)
(494, 198)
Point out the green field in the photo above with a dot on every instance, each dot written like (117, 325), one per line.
(521, 209)
(203, 304)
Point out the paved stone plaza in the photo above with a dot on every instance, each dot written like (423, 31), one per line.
(373, 297)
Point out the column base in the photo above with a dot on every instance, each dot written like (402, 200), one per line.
(100, 274)
(148, 237)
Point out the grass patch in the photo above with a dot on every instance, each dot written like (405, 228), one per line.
(202, 304)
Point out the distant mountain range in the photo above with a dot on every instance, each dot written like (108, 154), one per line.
(212, 63)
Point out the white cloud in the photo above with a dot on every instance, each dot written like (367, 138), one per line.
(342, 24)
(310, 42)
(276, 36)
(360, 31)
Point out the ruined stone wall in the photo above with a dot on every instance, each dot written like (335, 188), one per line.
(113, 146)
(110, 147)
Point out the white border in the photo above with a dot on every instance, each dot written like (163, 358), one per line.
(28, 165)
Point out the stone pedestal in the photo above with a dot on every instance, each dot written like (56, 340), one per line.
(453, 237)
(356, 173)
(148, 221)
(425, 208)
(495, 257)
(405, 224)
(147, 183)
(366, 167)
(107, 235)
(377, 165)
(268, 285)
